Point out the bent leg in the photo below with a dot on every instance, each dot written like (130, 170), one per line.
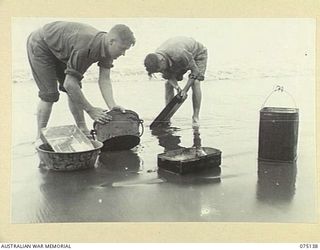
(196, 102)
(78, 115)
(43, 114)
(43, 67)
(201, 62)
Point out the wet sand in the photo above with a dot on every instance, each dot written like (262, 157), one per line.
(126, 186)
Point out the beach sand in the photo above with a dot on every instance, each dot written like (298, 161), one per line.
(126, 186)
(247, 59)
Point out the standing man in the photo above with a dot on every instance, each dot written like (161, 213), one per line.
(62, 52)
(173, 59)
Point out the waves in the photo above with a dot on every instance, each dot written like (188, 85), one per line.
(136, 74)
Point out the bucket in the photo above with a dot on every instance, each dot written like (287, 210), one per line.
(121, 133)
(278, 133)
(61, 161)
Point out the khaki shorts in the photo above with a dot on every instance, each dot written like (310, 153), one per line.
(201, 62)
(47, 70)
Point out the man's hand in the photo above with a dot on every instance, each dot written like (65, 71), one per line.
(178, 88)
(99, 115)
(120, 108)
(183, 94)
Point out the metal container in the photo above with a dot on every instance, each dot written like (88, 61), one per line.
(121, 133)
(278, 134)
(59, 161)
(185, 160)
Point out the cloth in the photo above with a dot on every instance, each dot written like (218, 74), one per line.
(184, 54)
(61, 48)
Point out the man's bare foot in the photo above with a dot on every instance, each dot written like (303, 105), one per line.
(200, 152)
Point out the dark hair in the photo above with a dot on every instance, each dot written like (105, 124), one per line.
(124, 33)
(151, 62)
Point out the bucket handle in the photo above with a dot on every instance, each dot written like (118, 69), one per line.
(93, 133)
(142, 127)
(281, 89)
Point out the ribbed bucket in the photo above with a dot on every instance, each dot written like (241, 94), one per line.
(121, 133)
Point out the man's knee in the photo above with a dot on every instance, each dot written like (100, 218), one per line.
(52, 97)
(196, 83)
(196, 86)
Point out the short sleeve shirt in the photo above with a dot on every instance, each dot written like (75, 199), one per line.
(180, 53)
(77, 45)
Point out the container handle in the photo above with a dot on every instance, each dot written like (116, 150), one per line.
(142, 127)
(280, 89)
(93, 133)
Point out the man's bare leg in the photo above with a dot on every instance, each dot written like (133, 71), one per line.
(43, 114)
(196, 102)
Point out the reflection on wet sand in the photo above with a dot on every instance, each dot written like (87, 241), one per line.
(120, 161)
(121, 188)
(167, 137)
(208, 176)
(197, 142)
(93, 194)
(276, 181)
(66, 195)
(170, 141)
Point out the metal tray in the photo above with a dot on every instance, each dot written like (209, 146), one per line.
(186, 160)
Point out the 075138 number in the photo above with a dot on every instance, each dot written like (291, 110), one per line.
(308, 245)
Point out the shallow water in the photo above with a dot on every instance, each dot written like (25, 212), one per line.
(127, 186)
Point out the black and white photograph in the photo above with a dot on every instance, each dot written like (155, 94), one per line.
(163, 120)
